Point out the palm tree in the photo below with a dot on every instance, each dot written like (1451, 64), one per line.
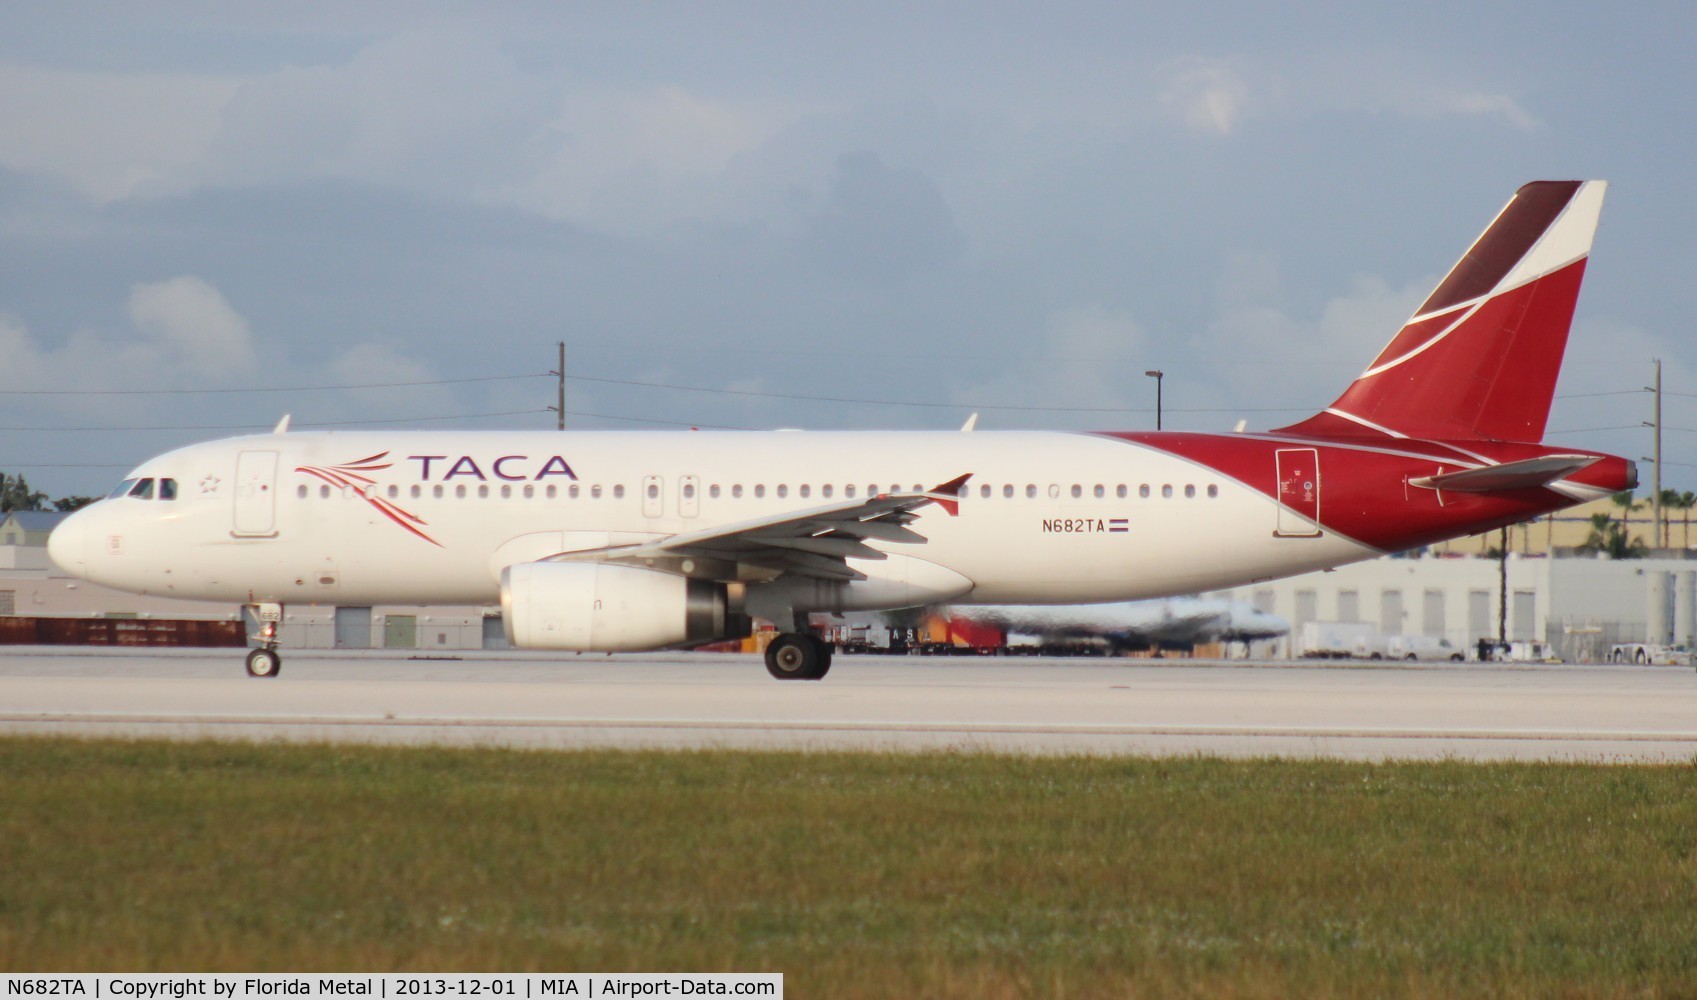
(1670, 501)
(1687, 500)
(1627, 504)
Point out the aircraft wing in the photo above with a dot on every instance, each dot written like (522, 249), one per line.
(816, 542)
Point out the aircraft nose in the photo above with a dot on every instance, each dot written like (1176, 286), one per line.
(67, 546)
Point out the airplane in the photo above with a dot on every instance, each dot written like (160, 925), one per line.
(1172, 623)
(613, 540)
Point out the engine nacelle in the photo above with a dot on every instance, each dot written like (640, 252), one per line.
(597, 607)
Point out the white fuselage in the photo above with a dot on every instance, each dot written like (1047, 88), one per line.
(1047, 518)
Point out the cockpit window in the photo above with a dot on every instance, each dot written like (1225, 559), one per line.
(167, 489)
(122, 489)
(143, 490)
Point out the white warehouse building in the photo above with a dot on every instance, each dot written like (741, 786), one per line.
(1579, 605)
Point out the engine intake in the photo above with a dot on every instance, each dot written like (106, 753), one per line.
(598, 607)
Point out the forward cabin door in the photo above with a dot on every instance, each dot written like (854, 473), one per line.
(256, 495)
(1299, 493)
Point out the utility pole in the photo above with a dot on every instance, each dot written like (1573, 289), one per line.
(1502, 589)
(560, 404)
(1658, 542)
(1157, 375)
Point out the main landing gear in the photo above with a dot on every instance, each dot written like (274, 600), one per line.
(264, 661)
(796, 656)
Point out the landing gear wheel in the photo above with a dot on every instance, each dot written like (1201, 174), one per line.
(795, 657)
(264, 663)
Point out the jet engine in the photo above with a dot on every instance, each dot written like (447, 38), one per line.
(606, 608)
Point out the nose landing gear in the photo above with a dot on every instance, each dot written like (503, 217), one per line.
(264, 661)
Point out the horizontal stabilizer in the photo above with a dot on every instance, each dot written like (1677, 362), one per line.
(1526, 474)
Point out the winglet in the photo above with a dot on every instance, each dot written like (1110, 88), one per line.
(947, 496)
(282, 425)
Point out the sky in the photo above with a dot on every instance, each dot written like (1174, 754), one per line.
(759, 215)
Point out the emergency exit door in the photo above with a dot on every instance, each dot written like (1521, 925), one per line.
(1299, 493)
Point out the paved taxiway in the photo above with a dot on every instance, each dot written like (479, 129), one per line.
(1600, 713)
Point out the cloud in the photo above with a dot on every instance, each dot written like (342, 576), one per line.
(1208, 95)
(1305, 361)
(184, 333)
(883, 224)
(1475, 104)
(107, 136)
(195, 325)
(1097, 348)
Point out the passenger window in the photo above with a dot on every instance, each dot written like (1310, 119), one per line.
(1167, 491)
(825, 491)
(1101, 491)
(1213, 491)
(529, 491)
(1054, 491)
(1077, 491)
(435, 491)
(459, 492)
(619, 492)
(394, 492)
(848, 491)
(324, 492)
(736, 491)
(300, 491)
(1007, 491)
(122, 489)
(506, 491)
(804, 491)
(167, 489)
(572, 491)
(654, 491)
(984, 491)
(783, 490)
(1143, 491)
(1119, 491)
(713, 491)
(759, 490)
(553, 491)
(143, 490)
(689, 491)
(1189, 491)
(416, 492)
(595, 492)
(483, 492)
(1030, 491)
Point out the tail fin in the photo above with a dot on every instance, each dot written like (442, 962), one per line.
(1479, 358)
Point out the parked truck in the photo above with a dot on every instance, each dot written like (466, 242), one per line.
(1422, 647)
(1341, 640)
(1650, 653)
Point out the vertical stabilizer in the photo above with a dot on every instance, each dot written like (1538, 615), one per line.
(1480, 357)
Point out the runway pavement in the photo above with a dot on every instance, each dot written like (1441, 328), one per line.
(1233, 708)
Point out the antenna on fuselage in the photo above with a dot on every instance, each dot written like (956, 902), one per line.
(282, 425)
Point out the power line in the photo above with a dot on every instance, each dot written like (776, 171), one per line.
(929, 403)
(293, 388)
(304, 423)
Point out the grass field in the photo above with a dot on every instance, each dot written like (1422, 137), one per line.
(855, 874)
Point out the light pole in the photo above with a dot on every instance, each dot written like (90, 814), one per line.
(1157, 375)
